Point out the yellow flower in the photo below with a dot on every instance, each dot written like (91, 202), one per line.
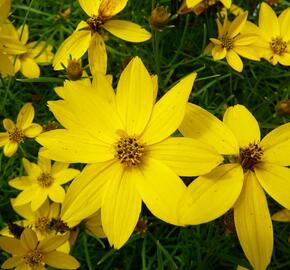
(274, 35)
(88, 36)
(193, 3)
(43, 180)
(126, 139)
(30, 253)
(232, 44)
(252, 165)
(15, 134)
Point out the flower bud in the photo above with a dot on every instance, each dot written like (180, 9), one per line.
(283, 107)
(159, 17)
(74, 70)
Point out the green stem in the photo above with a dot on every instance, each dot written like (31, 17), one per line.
(87, 255)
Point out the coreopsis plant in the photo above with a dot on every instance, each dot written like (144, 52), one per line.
(274, 37)
(231, 44)
(16, 133)
(251, 166)
(29, 252)
(43, 181)
(125, 138)
(88, 35)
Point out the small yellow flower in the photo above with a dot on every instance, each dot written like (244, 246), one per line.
(15, 134)
(232, 44)
(43, 180)
(30, 253)
(126, 140)
(274, 36)
(251, 166)
(88, 35)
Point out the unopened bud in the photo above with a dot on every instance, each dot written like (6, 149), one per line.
(159, 17)
(283, 107)
(273, 2)
(74, 70)
(66, 13)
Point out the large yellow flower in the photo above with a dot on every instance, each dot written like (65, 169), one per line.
(43, 180)
(231, 44)
(88, 34)
(30, 253)
(128, 141)
(274, 35)
(15, 134)
(251, 165)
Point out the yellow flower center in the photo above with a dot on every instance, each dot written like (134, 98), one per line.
(45, 180)
(16, 135)
(129, 151)
(33, 258)
(250, 156)
(227, 42)
(278, 46)
(42, 224)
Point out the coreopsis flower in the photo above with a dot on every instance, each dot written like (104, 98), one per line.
(29, 252)
(274, 38)
(231, 44)
(252, 166)
(16, 133)
(43, 180)
(126, 140)
(88, 35)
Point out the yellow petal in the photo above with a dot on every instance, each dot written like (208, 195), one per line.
(29, 239)
(74, 47)
(25, 116)
(127, 30)
(253, 223)
(276, 146)
(90, 7)
(121, 208)
(23, 31)
(268, 21)
(210, 196)
(22, 182)
(135, 97)
(10, 148)
(247, 52)
(9, 30)
(6, 66)
(24, 210)
(4, 138)
(58, 166)
(56, 193)
(201, 125)
(169, 111)
(65, 146)
(41, 52)
(64, 176)
(52, 242)
(246, 39)
(282, 215)
(284, 22)
(218, 52)
(160, 189)
(5, 6)
(11, 46)
(97, 55)
(11, 245)
(243, 124)
(275, 179)
(185, 156)
(60, 260)
(40, 195)
(93, 225)
(32, 131)
(12, 262)
(25, 196)
(237, 25)
(234, 60)
(8, 124)
(29, 68)
(192, 3)
(154, 79)
(110, 8)
(227, 3)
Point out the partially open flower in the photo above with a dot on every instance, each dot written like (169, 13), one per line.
(159, 17)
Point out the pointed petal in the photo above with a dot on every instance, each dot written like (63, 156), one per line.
(60, 260)
(73, 47)
(40, 195)
(282, 215)
(192, 3)
(4, 138)
(97, 55)
(210, 196)
(44, 164)
(6, 65)
(56, 193)
(135, 97)
(90, 7)
(275, 180)
(52, 242)
(253, 223)
(234, 60)
(58, 166)
(110, 8)
(201, 125)
(10, 148)
(25, 196)
(243, 124)
(29, 239)
(237, 25)
(121, 208)
(227, 3)
(127, 30)
(23, 210)
(29, 68)
(33, 130)
(218, 52)
(11, 245)
(65, 176)
(160, 189)
(268, 21)
(21, 183)
(5, 6)
(25, 116)
(25, 33)
(169, 111)
(247, 52)
(41, 52)
(186, 156)
(12, 262)
(284, 22)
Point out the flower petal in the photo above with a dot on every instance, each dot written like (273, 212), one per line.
(65, 176)
(210, 196)
(21, 183)
(218, 52)
(56, 193)
(29, 68)
(6, 65)
(237, 24)
(23, 31)
(40, 195)
(282, 215)
(247, 52)
(284, 22)
(25, 196)
(29, 239)
(227, 3)
(110, 8)
(41, 52)
(268, 21)
(33, 130)
(25, 116)
(73, 47)
(12, 262)
(160, 189)
(275, 179)
(253, 223)
(60, 260)
(127, 30)
(186, 156)
(243, 124)
(4, 138)
(234, 60)
(11, 245)
(135, 97)
(5, 6)
(121, 208)
(10, 148)
(58, 166)
(8, 124)
(90, 7)
(51, 243)
(201, 125)
(169, 111)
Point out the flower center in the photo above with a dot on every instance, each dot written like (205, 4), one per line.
(33, 258)
(278, 46)
(250, 156)
(129, 151)
(45, 180)
(42, 224)
(227, 42)
(16, 135)
(96, 22)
